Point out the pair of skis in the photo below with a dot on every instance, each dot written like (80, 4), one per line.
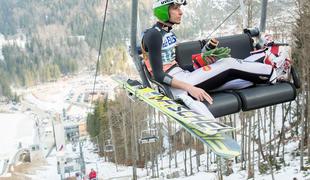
(206, 129)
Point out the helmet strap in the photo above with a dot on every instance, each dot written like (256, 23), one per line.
(170, 23)
(167, 24)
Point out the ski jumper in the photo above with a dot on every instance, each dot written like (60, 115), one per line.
(159, 44)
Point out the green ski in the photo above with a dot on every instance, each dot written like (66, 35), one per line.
(206, 129)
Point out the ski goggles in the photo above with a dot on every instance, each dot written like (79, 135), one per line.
(181, 2)
(165, 2)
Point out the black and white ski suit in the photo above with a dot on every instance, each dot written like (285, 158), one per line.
(228, 73)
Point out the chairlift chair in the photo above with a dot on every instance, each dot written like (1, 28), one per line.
(149, 136)
(230, 101)
(108, 147)
(96, 149)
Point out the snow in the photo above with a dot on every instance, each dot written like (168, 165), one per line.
(63, 94)
(108, 170)
(44, 106)
(15, 128)
(45, 101)
(49, 171)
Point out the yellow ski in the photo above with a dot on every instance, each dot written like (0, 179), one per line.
(206, 129)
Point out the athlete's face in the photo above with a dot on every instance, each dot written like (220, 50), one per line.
(175, 14)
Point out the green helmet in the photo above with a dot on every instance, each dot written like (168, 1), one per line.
(161, 8)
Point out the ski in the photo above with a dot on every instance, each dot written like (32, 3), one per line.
(204, 128)
(166, 105)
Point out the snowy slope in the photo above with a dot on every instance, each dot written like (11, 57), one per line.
(15, 128)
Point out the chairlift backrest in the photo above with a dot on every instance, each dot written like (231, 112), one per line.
(108, 148)
(240, 44)
(149, 132)
(148, 136)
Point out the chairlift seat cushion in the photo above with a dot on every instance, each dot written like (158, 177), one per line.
(260, 96)
(229, 100)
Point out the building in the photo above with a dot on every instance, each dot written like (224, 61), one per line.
(83, 128)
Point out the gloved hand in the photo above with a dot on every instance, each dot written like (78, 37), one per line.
(218, 53)
(209, 57)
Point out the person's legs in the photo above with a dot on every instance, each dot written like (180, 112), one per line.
(225, 73)
(282, 62)
(234, 84)
(279, 57)
(215, 75)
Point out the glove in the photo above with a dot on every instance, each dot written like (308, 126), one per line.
(218, 53)
(209, 57)
(199, 61)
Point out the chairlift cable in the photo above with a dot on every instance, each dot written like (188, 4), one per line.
(223, 21)
(99, 52)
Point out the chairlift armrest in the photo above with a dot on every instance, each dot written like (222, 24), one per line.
(295, 77)
(161, 87)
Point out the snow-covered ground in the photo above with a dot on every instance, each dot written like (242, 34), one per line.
(40, 104)
(48, 171)
(15, 128)
(64, 93)
(107, 170)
